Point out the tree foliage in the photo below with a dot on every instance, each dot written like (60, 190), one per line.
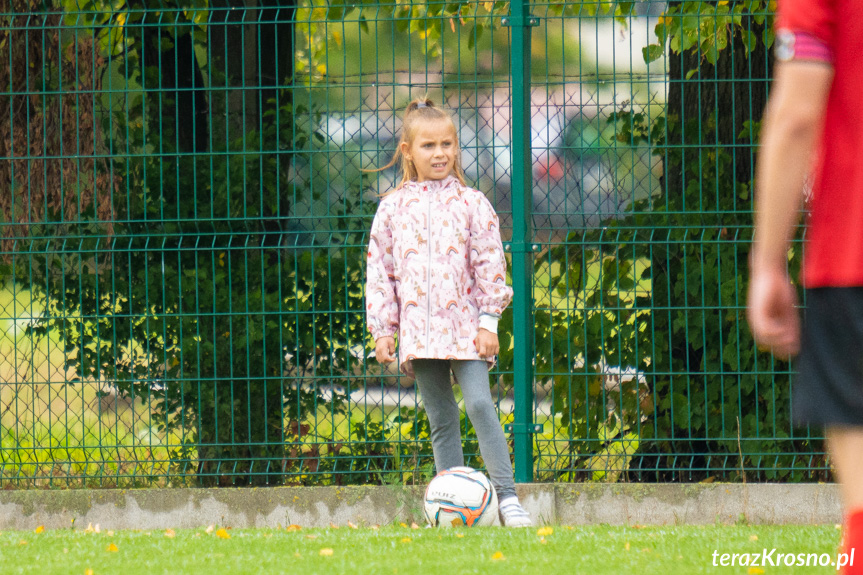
(191, 282)
(708, 379)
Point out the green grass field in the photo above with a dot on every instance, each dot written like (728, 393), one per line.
(402, 550)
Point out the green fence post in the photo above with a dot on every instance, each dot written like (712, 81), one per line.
(520, 22)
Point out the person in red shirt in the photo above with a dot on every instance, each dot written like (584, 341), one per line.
(815, 104)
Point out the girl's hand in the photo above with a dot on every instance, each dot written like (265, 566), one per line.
(385, 349)
(487, 344)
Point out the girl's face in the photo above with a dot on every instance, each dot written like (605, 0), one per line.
(433, 150)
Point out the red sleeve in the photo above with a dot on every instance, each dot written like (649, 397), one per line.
(804, 30)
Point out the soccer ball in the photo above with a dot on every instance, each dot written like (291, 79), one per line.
(460, 496)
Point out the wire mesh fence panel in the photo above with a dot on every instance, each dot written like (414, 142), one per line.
(191, 189)
(642, 347)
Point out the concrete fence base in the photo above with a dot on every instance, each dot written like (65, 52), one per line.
(556, 504)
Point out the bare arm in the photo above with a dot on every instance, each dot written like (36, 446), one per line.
(793, 121)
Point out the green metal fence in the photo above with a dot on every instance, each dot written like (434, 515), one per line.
(185, 217)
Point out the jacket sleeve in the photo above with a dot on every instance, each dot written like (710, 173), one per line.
(487, 261)
(382, 310)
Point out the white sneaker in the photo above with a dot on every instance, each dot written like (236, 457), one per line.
(512, 514)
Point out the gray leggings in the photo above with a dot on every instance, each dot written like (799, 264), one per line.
(439, 402)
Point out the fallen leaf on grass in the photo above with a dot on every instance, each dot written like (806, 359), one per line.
(170, 533)
(543, 531)
(325, 552)
(414, 526)
(110, 533)
(91, 529)
(22, 542)
(542, 540)
(753, 537)
(311, 536)
(210, 529)
(222, 534)
(113, 548)
(374, 527)
(352, 526)
(40, 529)
(498, 556)
(293, 527)
(333, 526)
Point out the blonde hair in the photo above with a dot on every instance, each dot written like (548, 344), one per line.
(417, 111)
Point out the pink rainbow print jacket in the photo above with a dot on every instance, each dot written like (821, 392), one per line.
(435, 264)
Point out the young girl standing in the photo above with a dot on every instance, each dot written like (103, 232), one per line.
(437, 276)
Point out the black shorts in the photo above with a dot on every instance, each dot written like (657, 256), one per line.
(829, 388)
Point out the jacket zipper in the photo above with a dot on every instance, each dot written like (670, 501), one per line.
(428, 271)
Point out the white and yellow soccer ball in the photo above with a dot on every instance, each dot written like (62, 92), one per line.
(460, 496)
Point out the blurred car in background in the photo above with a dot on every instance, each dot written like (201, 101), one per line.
(573, 183)
(573, 177)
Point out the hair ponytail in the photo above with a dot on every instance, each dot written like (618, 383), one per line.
(419, 104)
